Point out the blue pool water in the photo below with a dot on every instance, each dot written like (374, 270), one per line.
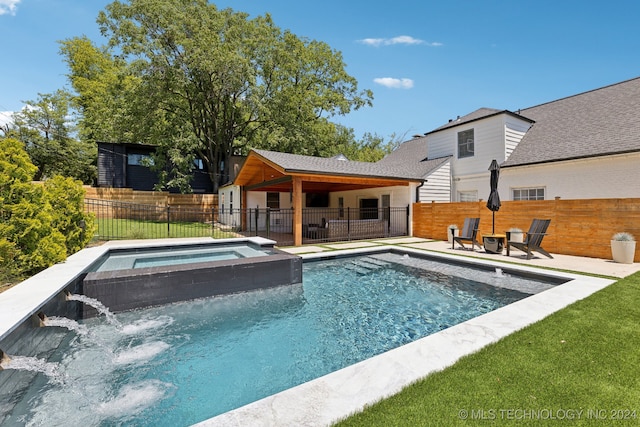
(182, 363)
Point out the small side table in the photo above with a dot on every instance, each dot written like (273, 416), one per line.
(494, 243)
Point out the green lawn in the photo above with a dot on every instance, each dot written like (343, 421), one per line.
(137, 229)
(579, 366)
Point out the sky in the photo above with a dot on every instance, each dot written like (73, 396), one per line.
(425, 61)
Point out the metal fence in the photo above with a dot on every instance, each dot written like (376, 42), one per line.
(126, 220)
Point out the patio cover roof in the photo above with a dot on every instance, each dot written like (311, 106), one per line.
(273, 171)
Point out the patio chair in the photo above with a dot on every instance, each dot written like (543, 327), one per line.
(533, 239)
(468, 234)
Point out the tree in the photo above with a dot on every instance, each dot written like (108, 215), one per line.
(213, 82)
(370, 148)
(105, 90)
(46, 128)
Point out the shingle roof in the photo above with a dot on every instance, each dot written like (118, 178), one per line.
(600, 122)
(411, 157)
(401, 165)
(480, 113)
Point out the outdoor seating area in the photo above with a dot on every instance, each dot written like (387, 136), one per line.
(533, 239)
(469, 234)
(495, 243)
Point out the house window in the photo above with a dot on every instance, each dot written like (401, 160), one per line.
(465, 143)
(368, 208)
(528, 194)
(139, 160)
(199, 164)
(273, 200)
(468, 196)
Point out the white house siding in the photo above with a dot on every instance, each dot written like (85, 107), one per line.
(400, 196)
(280, 221)
(229, 197)
(595, 178)
(514, 131)
(441, 144)
(438, 185)
(494, 138)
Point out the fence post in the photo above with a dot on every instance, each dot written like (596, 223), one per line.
(213, 220)
(388, 209)
(257, 214)
(348, 223)
(168, 221)
(268, 219)
(406, 225)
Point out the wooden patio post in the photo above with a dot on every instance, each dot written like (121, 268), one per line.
(297, 211)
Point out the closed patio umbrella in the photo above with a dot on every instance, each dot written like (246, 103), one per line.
(493, 203)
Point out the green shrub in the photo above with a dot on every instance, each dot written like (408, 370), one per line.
(39, 225)
(66, 197)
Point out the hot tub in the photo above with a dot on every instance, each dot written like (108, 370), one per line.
(125, 279)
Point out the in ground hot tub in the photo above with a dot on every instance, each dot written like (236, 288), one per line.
(124, 279)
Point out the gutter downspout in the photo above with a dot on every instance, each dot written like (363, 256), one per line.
(418, 190)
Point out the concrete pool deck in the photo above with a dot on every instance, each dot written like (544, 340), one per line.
(604, 267)
(327, 399)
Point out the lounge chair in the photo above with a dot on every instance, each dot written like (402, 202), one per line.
(533, 239)
(468, 234)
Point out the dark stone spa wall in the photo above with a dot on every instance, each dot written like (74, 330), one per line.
(30, 339)
(123, 290)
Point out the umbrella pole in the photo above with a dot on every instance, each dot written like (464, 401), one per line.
(493, 223)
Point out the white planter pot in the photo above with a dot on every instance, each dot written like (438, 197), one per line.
(516, 236)
(623, 251)
(456, 233)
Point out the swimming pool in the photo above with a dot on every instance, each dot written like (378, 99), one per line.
(347, 310)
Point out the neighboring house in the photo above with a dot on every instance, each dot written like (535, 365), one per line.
(579, 147)
(129, 166)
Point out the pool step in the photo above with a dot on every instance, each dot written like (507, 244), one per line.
(365, 265)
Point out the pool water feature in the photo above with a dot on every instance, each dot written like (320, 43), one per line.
(153, 369)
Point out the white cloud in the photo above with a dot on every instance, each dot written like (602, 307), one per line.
(8, 6)
(397, 40)
(6, 117)
(394, 83)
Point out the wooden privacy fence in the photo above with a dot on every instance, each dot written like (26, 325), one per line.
(581, 227)
(182, 204)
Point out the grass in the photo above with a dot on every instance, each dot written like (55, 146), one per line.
(579, 367)
(139, 229)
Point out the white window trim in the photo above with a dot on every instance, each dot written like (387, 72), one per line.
(468, 195)
(528, 189)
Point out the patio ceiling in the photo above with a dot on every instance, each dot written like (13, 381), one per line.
(259, 174)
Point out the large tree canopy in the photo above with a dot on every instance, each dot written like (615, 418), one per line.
(209, 82)
(46, 127)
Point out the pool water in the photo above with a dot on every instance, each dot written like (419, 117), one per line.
(183, 363)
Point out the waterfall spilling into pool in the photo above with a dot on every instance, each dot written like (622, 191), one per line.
(102, 309)
(184, 362)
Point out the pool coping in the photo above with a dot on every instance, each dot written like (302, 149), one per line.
(326, 400)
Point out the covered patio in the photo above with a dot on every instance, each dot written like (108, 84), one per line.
(319, 210)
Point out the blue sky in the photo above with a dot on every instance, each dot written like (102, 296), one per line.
(425, 61)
